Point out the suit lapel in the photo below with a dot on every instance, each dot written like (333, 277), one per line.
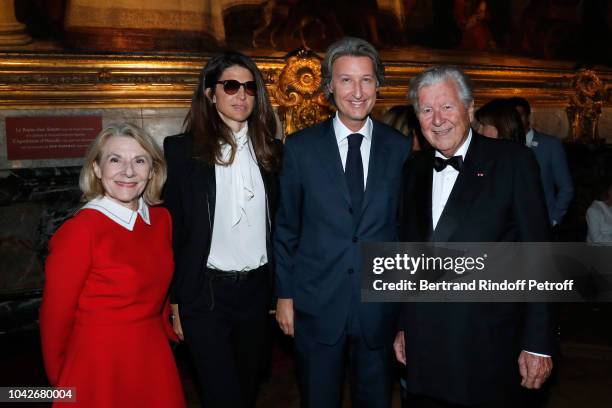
(204, 184)
(468, 184)
(327, 149)
(376, 164)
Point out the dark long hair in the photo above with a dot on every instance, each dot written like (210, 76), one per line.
(501, 114)
(404, 119)
(208, 129)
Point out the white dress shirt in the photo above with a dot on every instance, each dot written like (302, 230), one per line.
(444, 181)
(529, 138)
(599, 222)
(239, 232)
(342, 134)
(119, 213)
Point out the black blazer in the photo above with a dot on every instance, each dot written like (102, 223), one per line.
(467, 353)
(189, 195)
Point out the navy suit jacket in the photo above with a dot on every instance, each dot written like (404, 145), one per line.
(556, 178)
(316, 240)
(466, 353)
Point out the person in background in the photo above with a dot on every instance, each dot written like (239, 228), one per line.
(599, 218)
(499, 120)
(102, 321)
(403, 118)
(222, 193)
(554, 171)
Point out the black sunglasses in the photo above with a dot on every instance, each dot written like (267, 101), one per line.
(231, 86)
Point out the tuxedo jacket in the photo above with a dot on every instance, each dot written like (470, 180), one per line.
(556, 178)
(189, 195)
(466, 353)
(317, 241)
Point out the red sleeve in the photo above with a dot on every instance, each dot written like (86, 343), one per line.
(66, 271)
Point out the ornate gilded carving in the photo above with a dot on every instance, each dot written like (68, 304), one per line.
(300, 100)
(47, 80)
(585, 105)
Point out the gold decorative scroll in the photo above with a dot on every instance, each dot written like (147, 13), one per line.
(297, 93)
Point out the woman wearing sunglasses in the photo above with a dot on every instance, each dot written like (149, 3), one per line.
(221, 192)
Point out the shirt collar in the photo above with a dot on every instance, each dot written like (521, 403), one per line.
(342, 132)
(529, 138)
(118, 213)
(241, 136)
(461, 151)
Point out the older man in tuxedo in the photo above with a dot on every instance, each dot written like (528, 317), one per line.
(470, 189)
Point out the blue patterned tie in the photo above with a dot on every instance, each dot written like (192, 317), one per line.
(354, 172)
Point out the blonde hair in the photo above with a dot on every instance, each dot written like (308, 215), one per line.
(92, 187)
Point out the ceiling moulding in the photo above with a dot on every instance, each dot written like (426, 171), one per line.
(62, 80)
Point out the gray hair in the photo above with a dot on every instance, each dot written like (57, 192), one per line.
(354, 47)
(437, 74)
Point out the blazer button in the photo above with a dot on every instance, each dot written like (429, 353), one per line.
(350, 210)
(351, 271)
(355, 239)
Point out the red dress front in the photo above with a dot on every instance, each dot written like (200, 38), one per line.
(102, 323)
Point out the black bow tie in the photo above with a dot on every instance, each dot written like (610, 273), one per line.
(455, 162)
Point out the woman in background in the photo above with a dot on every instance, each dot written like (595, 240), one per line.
(102, 324)
(599, 218)
(221, 191)
(404, 119)
(499, 119)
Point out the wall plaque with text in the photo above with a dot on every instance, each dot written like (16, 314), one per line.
(50, 137)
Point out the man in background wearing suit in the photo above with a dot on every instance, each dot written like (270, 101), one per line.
(555, 174)
(339, 187)
(470, 189)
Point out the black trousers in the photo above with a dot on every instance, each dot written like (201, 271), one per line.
(229, 344)
(420, 401)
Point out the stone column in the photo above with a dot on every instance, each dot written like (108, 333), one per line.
(12, 32)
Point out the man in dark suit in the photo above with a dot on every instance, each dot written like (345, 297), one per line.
(339, 188)
(470, 189)
(555, 174)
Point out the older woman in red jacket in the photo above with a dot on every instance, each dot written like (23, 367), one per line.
(107, 275)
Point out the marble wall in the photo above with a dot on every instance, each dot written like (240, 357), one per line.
(34, 203)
